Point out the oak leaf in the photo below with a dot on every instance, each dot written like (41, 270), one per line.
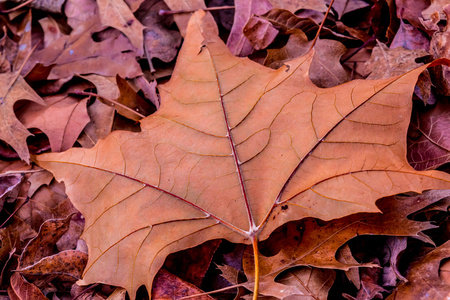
(232, 146)
(13, 88)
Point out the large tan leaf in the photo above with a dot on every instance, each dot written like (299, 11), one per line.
(234, 145)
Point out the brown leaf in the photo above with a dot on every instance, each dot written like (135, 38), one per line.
(20, 289)
(435, 6)
(237, 42)
(313, 244)
(345, 6)
(132, 100)
(191, 265)
(117, 14)
(286, 22)
(411, 10)
(79, 11)
(13, 88)
(101, 119)
(38, 179)
(259, 32)
(77, 53)
(8, 183)
(393, 248)
(423, 277)
(62, 119)
(233, 144)
(410, 37)
(326, 69)
(345, 255)
(440, 47)
(386, 62)
(160, 41)
(294, 5)
(182, 19)
(168, 286)
(43, 245)
(429, 140)
(66, 266)
(304, 282)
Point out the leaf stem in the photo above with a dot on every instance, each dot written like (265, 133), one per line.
(321, 25)
(256, 262)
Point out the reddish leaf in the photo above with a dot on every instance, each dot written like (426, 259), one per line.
(20, 289)
(423, 277)
(168, 286)
(429, 137)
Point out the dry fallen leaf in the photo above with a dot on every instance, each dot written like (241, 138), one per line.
(13, 88)
(313, 244)
(429, 136)
(235, 151)
(117, 14)
(20, 289)
(423, 277)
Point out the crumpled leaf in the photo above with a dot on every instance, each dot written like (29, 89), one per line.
(101, 119)
(43, 244)
(429, 137)
(160, 41)
(13, 88)
(77, 53)
(294, 5)
(66, 265)
(326, 69)
(440, 47)
(117, 14)
(237, 42)
(423, 277)
(182, 20)
(385, 62)
(20, 289)
(233, 144)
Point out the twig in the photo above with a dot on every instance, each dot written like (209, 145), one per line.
(163, 12)
(85, 290)
(372, 38)
(112, 101)
(14, 212)
(16, 8)
(321, 25)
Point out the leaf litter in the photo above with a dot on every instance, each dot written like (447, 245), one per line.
(33, 200)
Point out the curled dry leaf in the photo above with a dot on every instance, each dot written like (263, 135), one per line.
(423, 277)
(101, 119)
(237, 42)
(429, 136)
(77, 53)
(385, 62)
(66, 265)
(160, 41)
(117, 14)
(294, 5)
(20, 289)
(233, 144)
(43, 244)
